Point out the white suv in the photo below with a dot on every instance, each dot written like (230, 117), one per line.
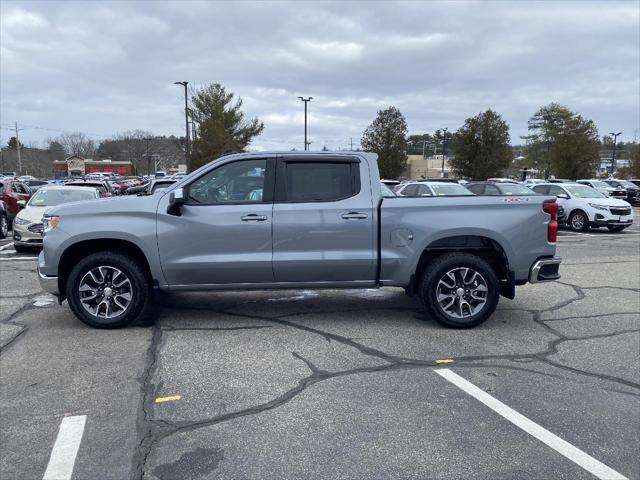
(586, 207)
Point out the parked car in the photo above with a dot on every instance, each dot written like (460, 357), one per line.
(533, 181)
(321, 222)
(559, 180)
(586, 207)
(4, 221)
(386, 191)
(24, 178)
(604, 188)
(27, 226)
(431, 189)
(631, 189)
(101, 185)
(501, 180)
(391, 183)
(35, 184)
(635, 181)
(157, 185)
(562, 216)
(499, 188)
(11, 192)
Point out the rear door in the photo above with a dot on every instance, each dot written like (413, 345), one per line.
(323, 220)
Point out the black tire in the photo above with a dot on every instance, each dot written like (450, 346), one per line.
(4, 226)
(616, 228)
(24, 248)
(436, 271)
(141, 289)
(578, 221)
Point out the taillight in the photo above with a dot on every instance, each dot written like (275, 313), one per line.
(551, 207)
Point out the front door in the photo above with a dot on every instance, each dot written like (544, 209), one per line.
(223, 233)
(323, 220)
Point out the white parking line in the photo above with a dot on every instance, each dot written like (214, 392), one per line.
(63, 455)
(6, 246)
(17, 258)
(564, 448)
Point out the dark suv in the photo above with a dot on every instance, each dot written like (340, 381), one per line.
(633, 191)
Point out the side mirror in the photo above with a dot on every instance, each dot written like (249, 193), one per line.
(22, 203)
(177, 198)
(563, 195)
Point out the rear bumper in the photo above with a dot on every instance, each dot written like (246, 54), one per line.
(48, 284)
(545, 270)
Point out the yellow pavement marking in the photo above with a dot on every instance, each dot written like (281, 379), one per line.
(168, 399)
(445, 360)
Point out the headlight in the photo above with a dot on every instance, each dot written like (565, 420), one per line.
(599, 207)
(50, 223)
(21, 221)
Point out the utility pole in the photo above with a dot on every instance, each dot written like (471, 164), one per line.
(187, 155)
(444, 149)
(147, 139)
(351, 144)
(18, 150)
(305, 100)
(613, 154)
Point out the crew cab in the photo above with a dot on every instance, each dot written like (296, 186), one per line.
(295, 220)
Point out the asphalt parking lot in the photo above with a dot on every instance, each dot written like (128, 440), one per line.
(330, 384)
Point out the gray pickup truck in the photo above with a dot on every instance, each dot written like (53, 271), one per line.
(295, 220)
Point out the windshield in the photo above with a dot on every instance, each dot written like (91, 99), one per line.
(582, 191)
(386, 191)
(444, 189)
(599, 184)
(50, 198)
(515, 190)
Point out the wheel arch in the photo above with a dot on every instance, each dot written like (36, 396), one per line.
(482, 246)
(79, 250)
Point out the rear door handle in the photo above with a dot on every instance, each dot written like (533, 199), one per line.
(354, 216)
(253, 217)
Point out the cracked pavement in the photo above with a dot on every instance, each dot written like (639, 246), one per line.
(330, 384)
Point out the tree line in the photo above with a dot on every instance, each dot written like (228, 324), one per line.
(559, 143)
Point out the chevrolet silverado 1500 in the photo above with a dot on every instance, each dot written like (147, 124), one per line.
(295, 220)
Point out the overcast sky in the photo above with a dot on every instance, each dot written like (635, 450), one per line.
(104, 68)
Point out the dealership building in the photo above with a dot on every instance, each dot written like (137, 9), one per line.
(77, 166)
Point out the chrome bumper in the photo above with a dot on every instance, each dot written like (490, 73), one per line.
(48, 284)
(545, 270)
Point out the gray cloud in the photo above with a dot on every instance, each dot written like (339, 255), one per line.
(110, 67)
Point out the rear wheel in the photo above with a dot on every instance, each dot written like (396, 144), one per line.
(578, 221)
(460, 290)
(108, 290)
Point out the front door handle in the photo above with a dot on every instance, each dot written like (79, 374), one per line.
(354, 216)
(253, 217)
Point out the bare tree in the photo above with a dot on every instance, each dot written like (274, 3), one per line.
(77, 143)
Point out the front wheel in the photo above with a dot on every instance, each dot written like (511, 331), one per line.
(579, 222)
(108, 290)
(459, 290)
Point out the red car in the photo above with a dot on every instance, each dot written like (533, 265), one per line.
(11, 191)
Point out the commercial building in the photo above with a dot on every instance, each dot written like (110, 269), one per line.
(419, 167)
(76, 166)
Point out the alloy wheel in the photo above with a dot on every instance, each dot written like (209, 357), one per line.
(105, 292)
(462, 292)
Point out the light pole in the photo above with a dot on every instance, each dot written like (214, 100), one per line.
(305, 100)
(613, 154)
(187, 156)
(444, 149)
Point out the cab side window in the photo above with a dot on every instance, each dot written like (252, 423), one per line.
(237, 182)
(321, 181)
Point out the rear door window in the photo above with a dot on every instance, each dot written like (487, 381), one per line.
(320, 181)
